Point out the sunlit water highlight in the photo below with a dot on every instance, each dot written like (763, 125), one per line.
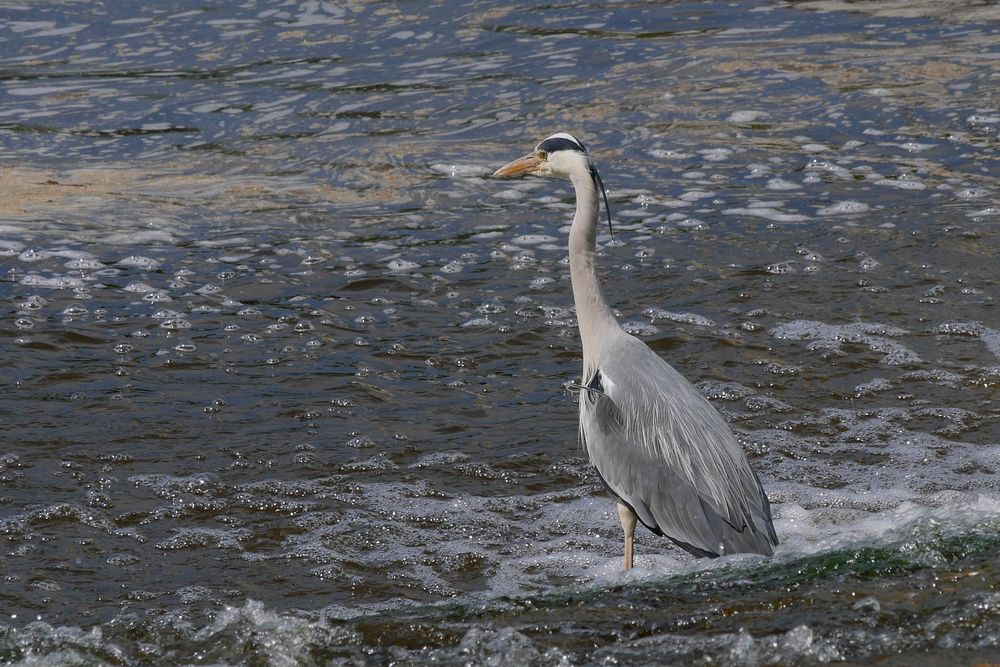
(289, 377)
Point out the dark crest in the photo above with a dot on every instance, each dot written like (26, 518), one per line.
(563, 143)
(567, 142)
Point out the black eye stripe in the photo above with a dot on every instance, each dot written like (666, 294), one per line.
(554, 144)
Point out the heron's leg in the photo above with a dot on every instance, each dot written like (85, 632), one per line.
(628, 518)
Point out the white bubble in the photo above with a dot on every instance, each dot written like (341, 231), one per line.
(83, 263)
(687, 318)
(31, 255)
(781, 184)
(402, 265)
(54, 282)
(10, 248)
(746, 116)
(639, 328)
(139, 262)
(846, 206)
(533, 239)
(767, 213)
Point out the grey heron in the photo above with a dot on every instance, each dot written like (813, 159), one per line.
(663, 451)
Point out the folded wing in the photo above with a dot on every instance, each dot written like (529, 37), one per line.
(663, 450)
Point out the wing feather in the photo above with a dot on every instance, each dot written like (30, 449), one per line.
(662, 449)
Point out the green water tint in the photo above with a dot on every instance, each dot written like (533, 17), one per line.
(860, 603)
(896, 590)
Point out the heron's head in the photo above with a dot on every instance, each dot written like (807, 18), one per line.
(561, 154)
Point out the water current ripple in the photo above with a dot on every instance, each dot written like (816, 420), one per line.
(286, 371)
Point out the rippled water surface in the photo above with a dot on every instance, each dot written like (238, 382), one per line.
(285, 369)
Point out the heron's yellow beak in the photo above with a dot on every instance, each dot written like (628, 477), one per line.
(528, 164)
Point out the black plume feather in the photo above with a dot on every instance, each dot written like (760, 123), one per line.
(600, 184)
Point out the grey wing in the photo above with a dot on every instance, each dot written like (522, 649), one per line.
(664, 451)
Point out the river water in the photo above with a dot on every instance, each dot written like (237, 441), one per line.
(285, 369)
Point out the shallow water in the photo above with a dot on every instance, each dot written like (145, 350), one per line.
(286, 369)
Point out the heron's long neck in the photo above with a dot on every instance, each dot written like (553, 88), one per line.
(592, 311)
